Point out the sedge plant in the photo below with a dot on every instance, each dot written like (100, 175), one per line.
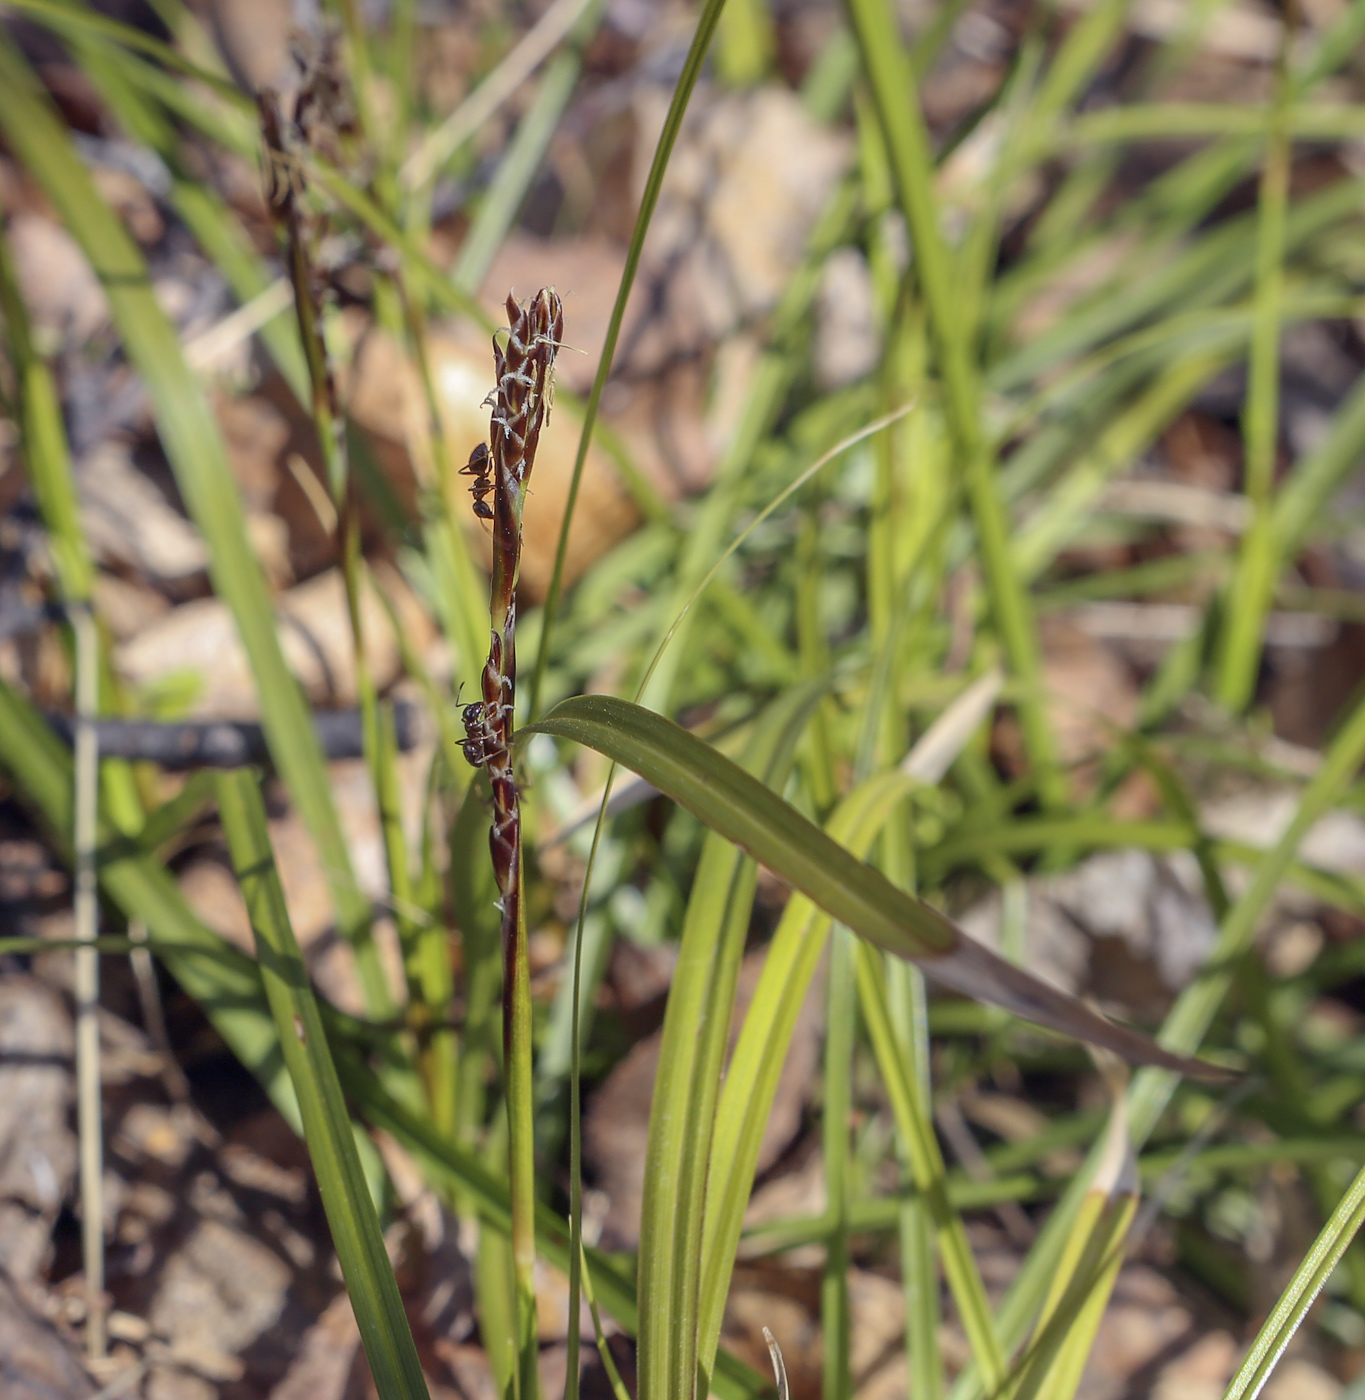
(524, 368)
(984, 493)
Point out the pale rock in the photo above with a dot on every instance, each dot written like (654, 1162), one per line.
(1202, 1372)
(222, 1285)
(128, 521)
(1153, 905)
(64, 298)
(36, 1361)
(326, 1357)
(1335, 842)
(126, 608)
(847, 342)
(758, 170)
(37, 1147)
(876, 1308)
(314, 632)
(1296, 1378)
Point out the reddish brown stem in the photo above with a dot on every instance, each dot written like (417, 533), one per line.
(521, 401)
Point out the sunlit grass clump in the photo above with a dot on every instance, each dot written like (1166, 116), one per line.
(827, 664)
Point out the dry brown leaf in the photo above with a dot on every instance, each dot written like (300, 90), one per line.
(39, 1363)
(37, 1146)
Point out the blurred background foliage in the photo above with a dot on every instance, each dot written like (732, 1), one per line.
(1072, 649)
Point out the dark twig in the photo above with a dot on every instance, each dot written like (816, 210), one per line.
(230, 743)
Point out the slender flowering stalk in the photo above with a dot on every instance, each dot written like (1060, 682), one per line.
(321, 107)
(521, 403)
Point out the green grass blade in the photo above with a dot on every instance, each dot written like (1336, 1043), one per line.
(915, 1126)
(1190, 1018)
(677, 108)
(1300, 503)
(408, 916)
(1213, 269)
(701, 556)
(222, 979)
(682, 1113)
(1078, 57)
(895, 94)
(418, 268)
(327, 1129)
(194, 447)
(1126, 437)
(836, 1115)
(738, 807)
(487, 1191)
(1186, 121)
(1174, 336)
(1194, 1010)
(522, 159)
(130, 86)
(923, 1313)
(1030, 835)
(1089, 1264)
(691, 598)
(43, 434)
(745, 43)
(519, 165)
(69, 19)
(439, 145)
(703, 537)
(1252, 586)
(440, 1058)
(1175, 204)
(1309, 1280)
(474, 893)
(914, 498)
(495, 1295)
(752, 1074)
(473, 898)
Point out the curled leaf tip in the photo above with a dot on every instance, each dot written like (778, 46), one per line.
(779, 1366)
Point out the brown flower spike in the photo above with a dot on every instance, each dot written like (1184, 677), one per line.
(521, 404)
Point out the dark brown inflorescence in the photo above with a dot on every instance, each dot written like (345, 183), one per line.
(521, 403)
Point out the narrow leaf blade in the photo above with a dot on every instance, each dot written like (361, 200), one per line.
(740, 808)
(370, 1281)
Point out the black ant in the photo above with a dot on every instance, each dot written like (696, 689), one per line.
(480, 742)
(478, 467)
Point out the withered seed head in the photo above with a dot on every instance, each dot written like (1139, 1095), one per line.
(521, 404)
(524, 363)
(525, 370)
